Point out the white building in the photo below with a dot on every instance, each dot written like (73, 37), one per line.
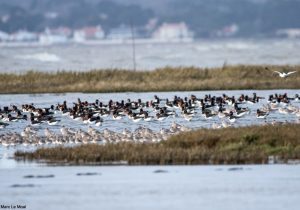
(289, 33)
(24, 36)
(52, 39)
(120, 33)
(57, 35)
(173, 32)
(4, 36)
(88, 33)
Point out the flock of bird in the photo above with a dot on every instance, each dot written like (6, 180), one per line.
(228, 109)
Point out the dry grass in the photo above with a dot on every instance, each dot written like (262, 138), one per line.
(165, 79)
(247, 145)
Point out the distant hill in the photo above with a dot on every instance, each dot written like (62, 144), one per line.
(254, 18)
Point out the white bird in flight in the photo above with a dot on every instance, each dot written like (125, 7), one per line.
(283, 74)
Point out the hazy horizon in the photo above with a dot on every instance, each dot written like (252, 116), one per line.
(250, 18)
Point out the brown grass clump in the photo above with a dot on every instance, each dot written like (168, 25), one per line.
(245, 145)
(164, 79)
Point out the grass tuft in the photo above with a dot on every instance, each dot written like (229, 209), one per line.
(163, 79)
(244, 145)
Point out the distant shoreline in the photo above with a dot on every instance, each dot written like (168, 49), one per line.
(129, 42)
(240, 77)
(100, 42)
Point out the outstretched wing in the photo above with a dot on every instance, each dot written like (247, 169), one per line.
(277, 72)
(291, 72)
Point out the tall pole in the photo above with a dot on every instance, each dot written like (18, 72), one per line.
(133, 47)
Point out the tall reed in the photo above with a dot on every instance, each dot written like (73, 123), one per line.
(164, 79)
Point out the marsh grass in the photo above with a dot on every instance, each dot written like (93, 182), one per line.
(164, 79)
(245, 145)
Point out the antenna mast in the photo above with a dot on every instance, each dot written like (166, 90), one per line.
(133, 47)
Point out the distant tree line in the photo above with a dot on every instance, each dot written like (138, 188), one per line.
(260, 17)
(254, 17)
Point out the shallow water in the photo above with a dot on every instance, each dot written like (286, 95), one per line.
(45, 100)
(267, 187)
(202, 53)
